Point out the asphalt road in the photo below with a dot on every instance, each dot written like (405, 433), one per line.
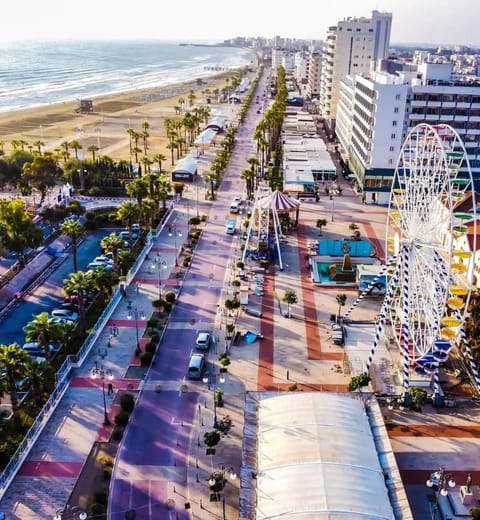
(48, 295)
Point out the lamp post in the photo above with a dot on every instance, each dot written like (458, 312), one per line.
(175, 232)
(210, 381)
(217, 482)
(70, 513)
(161, 264)
(440, 481)
(102, 373)
(136, 315)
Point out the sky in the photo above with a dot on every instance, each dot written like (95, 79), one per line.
(414, 21)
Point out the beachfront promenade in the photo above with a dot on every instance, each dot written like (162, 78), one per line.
(298, 350)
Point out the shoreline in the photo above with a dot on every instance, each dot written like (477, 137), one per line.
(106, 126)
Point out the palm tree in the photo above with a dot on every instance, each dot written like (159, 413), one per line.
(321, 222)
(75, 145)
(138, 188)
(93, 149)
(74, 230)
(105, 281)
(41, 378)
(172, 147)
(341, 300)
(80, 283)
(44, 330)
(159, 158)
(14, 360)
(112, 243)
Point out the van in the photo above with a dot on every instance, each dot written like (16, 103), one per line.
(196, 366)
(230, 226)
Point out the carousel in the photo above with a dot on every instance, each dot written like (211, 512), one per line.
(271, 216)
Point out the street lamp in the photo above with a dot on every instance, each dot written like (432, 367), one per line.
(102, 373)
(175, 232)
(440, 481)
(70, 513)
(161, 265)
(217, 482)
(136, 315)
(210, 381)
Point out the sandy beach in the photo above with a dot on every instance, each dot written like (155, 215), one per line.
(107, 126)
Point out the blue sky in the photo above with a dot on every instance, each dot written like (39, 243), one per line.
(420, 21)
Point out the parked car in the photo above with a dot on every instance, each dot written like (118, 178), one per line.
(93, 266)
(36, 350)
(196, 366)
(203, 340)
(104, 259)
(70, 306)
(65, 314)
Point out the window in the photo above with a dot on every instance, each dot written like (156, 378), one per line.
(390, 161)
(392, 148)
(397, 97)
(393, 136)
(394, 123)
(395, 110)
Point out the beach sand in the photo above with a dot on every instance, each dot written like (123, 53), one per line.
(107, 127)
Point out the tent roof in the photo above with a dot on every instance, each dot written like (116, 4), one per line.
(188, 164)
(206, 137)
(279, 201)
(317, 460)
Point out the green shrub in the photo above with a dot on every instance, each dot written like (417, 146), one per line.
(170, 297)
(146, 358)
(117, 434)
(151, 347)
(127, 403)
(155, 336)
(121, 419)
(100, 497)
(211, 439)
(153, 322)
(97, 510)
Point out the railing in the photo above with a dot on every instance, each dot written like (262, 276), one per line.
(61, 377)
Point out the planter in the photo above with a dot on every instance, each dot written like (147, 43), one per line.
(223, 369)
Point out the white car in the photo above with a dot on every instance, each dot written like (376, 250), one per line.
(103, 259)
(203, 341)
(65, 314)
(92, 266)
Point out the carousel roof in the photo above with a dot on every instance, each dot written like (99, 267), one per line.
(279, 201)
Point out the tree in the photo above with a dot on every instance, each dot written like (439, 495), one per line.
(19, 232)
(357, 382)
(93, 149)
(138, 188)
(128, 212)
(341, 300)
(290, 298)
(75, 145)
(80, 283)
(41, 378)
(321, 222)
(44, 330)
(112, 243)
(159, 158)
(74, 230)
(13, 360)
(105, 281)
(418, 396)
(42, 174)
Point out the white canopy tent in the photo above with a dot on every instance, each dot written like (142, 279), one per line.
(317, 460)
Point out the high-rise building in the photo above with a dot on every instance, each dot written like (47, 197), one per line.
(351, 47)
(376, 112)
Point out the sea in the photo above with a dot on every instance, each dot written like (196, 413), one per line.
(36, 73)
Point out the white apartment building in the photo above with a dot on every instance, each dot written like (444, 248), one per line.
(350, 48)
(376, 112)
(314, 75)
(301, 70)
(283, 58)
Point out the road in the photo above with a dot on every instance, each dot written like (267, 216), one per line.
(46, 296)
(154, 451)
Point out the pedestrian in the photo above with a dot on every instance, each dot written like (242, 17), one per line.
(110, 389)
(137, 287)
(115, 330)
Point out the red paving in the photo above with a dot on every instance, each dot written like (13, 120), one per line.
(118, 384)
(104, 432)
(433, 430)
(48, 468)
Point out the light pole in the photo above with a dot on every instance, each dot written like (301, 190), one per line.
(217, 482)
(440, 481)
(70, 513)
(175, 232)
(210, 381)
(102, 373)
(161, 265)
(136, 315)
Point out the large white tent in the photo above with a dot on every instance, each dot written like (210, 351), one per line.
(317, 460)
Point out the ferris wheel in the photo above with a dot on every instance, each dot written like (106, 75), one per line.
(430, 244)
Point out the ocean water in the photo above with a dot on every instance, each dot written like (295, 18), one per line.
(40, 73)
